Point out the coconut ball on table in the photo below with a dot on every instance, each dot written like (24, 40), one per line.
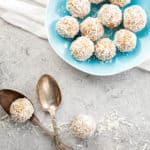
(110, 15)
(135, 18)
(120, 3)
(82, 48)
(92, 28)
(21, 110)
(125, 40)
(67, 27)
(96, 1)
(83, 126)
(105, 49)
(78, 8)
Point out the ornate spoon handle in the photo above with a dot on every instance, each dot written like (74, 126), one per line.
(37, 122)
(59, 144)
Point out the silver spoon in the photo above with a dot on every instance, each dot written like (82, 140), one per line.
(49, 96)
(7, 97)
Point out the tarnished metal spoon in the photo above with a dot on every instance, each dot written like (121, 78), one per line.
(7, 97)
(49, 96)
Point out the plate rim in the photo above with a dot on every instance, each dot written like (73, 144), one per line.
(80, 69)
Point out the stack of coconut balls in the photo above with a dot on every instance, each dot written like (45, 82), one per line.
(92, 40)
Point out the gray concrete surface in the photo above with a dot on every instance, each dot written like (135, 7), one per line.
(120, 104)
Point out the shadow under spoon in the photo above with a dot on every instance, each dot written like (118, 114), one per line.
(7, 97)
(49, 96)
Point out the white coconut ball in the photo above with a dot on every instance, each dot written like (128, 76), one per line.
(125, 40)
(79, 8)
(105, 49)
(67, 27)
(96, 1)
(21, 110)
(83, 126)
(135, 18)
(92, 28)
(120, 3)
(110, 15)
(82, 48)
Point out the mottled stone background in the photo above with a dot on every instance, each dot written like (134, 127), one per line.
(120, 104)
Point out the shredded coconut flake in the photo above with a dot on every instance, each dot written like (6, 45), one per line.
(79, 8)
(21, 110)
(120, 3)
(82, 48)
(125, 40)
(83, 126)
(105, 49)
(135, 18)
(110, 15)
(92, 28)
(67, 27)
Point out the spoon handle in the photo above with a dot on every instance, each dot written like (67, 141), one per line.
(59, 144)
(55, 127)
(37, 122)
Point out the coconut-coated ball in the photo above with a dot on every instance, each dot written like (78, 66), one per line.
(21, 110)
(110, 15)
(82, 48)
(105, 49)
(125, 40)
(135, 18)
(120, 3)
(92, 28)
(67, 27)
(83, 126)
(96, 1)
(79, 8)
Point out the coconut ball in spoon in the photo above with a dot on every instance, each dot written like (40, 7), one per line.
(21, 110)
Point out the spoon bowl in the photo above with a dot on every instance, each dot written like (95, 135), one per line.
(7, 97)
(48, 91)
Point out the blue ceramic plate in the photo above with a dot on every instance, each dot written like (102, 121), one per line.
(122, 62)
